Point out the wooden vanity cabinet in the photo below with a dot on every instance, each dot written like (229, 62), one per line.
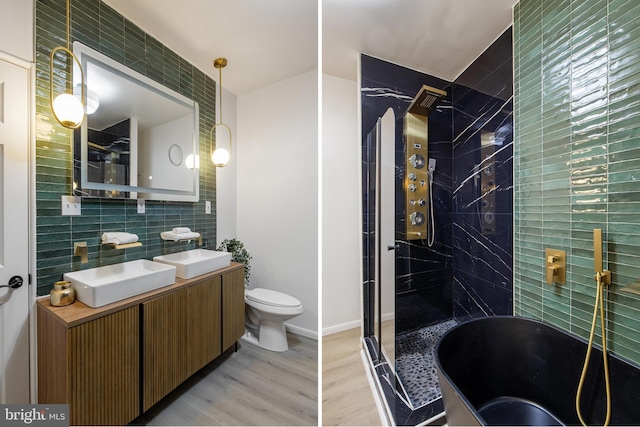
(232, 300)
(94, 367)
(181, 334)
(112, 363)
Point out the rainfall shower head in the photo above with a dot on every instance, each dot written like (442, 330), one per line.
(426, 99)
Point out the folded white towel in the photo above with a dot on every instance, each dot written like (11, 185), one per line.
(170, 235)
(119, 238)
(180, 230)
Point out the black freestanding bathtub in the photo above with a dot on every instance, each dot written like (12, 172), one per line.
(508, 370)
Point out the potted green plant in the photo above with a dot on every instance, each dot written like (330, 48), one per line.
(238, 254)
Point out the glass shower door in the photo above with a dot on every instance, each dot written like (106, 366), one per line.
(385, 236)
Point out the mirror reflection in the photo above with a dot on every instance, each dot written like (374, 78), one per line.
(141, 140)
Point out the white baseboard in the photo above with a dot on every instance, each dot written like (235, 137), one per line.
(351, 325)
(342, 327)
(302, 331)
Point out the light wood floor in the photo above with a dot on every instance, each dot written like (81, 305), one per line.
(251, 387)
(347, 399)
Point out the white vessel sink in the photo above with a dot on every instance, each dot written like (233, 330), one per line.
(196, 262)
(103, 285)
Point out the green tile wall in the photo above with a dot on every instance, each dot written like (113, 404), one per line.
(577, 160)
(100, 27)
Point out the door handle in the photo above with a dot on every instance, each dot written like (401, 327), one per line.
(14, 283)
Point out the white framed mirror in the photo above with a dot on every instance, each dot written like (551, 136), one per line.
(135, 143)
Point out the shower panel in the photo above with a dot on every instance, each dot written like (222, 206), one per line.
(415, 133)
(417, 174)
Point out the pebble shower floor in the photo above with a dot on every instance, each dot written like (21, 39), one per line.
(416, 364)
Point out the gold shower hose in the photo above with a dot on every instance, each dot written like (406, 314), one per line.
(599, 302)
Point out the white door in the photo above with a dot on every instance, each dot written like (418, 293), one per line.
(14, 231)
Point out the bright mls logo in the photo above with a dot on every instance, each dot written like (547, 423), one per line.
(36, 415)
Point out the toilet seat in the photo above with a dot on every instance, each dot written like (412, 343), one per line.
(271, 298)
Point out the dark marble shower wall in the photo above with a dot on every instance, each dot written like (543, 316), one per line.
(386, 85)
(468, 270)
(483, 213)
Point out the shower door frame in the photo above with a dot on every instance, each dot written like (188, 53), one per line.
(379, 273)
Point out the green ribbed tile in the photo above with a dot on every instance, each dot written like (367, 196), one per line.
(624, 17)
(556, 104)
(556, 134)
(111, 32)
(589, 74)
(155, 59)
(589, 13)
(113, 51)
(624, 122)
(590, 40)
(135, 54)
(624, 103)
(85, 22)
(624, 135)
(171, 66)
(186, 78)
(530, 32)
(626, 171)
(624, 208)
(624, 43)
(626, 332)
(625, 274)
(622, 187)
(625, 77)
(530, 10)
(621, 7)
(556, 36)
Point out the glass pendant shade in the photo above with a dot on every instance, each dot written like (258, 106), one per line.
(68, 110)
(220, 157)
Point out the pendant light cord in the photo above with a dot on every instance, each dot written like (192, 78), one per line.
(68, 23)
(220, 78)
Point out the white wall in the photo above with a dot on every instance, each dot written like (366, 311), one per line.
(16, 28)
(226, 177)
(341, 235)
(277, 190)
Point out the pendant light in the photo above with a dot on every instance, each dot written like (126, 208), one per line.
(220, 157)
(67, 108)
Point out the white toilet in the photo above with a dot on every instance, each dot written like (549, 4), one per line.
(265, 314)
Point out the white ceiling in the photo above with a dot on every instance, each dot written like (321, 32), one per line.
(438, 37)
(264, 41)
(267, 41)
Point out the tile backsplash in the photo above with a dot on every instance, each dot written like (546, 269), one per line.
(577, 160)
(98, 26)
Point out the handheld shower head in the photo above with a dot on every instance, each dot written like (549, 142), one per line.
(432, 165)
